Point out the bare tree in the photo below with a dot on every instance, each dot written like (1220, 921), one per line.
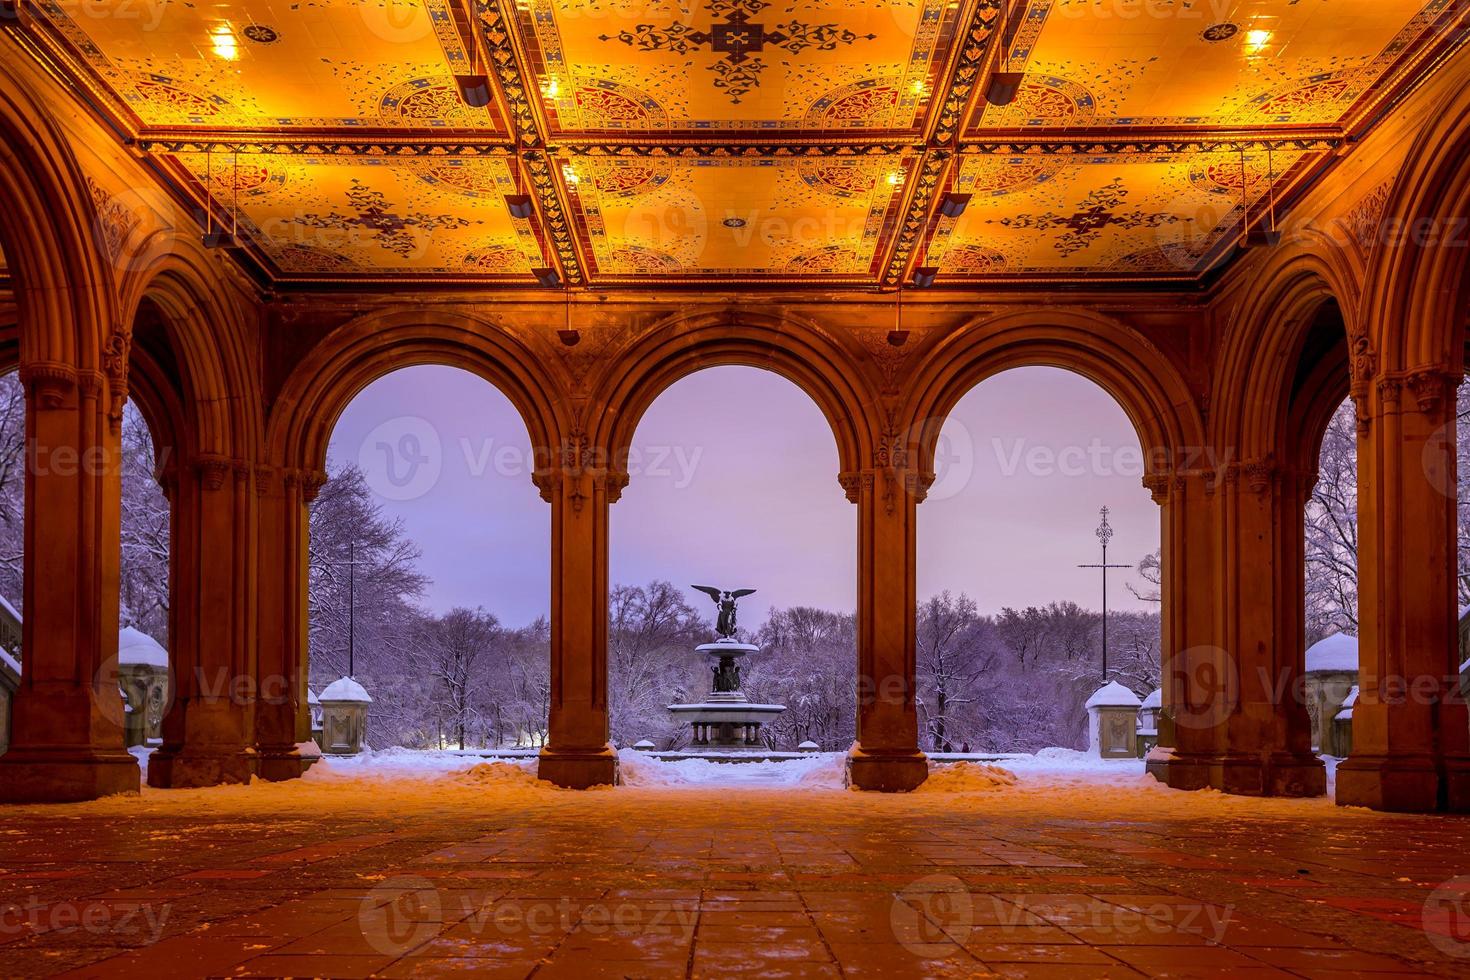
(652, 632)
(451, 654)
(1331, 528)
(954, 657)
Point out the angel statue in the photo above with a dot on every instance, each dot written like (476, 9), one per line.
(725, 603)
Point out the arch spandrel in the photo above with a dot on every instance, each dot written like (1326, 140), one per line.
(1147, 385)
(841, 384)
(358, 353)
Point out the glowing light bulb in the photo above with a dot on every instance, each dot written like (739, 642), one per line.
(569, 174)
(552, 88)
(895, 178)
(1256, 40)
(222, 39)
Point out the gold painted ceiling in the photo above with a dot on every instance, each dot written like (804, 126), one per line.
(758, 141)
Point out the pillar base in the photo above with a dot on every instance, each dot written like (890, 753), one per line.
(1399, 784)
(897, 772)
(190, 769)
(575, 769)
(65, 775)
(1456, 795)
(280, 764)
(1241, 775)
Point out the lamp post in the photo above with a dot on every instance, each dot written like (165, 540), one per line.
(1104, 535)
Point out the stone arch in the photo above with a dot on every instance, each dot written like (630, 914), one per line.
(796, 350)
(1112, 355)
(208, 336)
(1256, 381)
(1418, 293)
(355, 355)
(48, 225)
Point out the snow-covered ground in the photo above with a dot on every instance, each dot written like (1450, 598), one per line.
(1053, 781)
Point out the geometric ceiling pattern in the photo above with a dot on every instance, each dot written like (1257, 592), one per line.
(755, 141)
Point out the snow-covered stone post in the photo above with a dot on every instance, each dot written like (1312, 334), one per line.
(1112, 722)
(344, 717)
(142, 673)
(1148, 721)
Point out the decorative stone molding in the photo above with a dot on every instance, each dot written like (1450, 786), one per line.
(611, 482)
(853, 484)
(917, 485)
(546, 483)
(115, 365)
(1431, 387)
(1158, 486)
(265, 479)
(49, 382)
(1390, 392)
(1362, 366)
(1260, 474)
(212, 470)
(312, 482)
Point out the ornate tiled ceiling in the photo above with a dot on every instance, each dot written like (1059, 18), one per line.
(760, 141)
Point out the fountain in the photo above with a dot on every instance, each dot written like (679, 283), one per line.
(726, 719)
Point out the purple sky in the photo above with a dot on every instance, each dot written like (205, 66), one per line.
(735, 484)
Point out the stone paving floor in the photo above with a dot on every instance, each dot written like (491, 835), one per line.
(357, 880)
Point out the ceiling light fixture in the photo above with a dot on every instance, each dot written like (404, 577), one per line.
(546, 277)
(519, 205)
(1256, 40)
(953, 204)
(474, 90)
(1003, 88)
(222, 39)
(925, 275)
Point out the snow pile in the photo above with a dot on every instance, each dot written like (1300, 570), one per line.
(136, 647)
(967, 777)
(820, 770)
(345, 689)
(1338, 653)
(494, 774)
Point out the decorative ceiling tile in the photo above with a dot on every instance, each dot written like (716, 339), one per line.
(1251, 64)
(1166, 215)
(728, 67)
(757, 217)
(371, 64)
(337, 217)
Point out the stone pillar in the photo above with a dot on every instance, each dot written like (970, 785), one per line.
(886, 755)
(1197, 683)
(209, 731)
(67, 732)
(283, 740)
(577, 753)
(1232, 716)
(1409, 750)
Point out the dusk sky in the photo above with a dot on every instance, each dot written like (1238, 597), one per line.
(735, 485)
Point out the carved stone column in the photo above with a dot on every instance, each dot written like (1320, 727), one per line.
(886, 755)
(67, 721)
(1232, 718)
(580, 489)
(282, 718)
(209, 731)
(1410, 734)
(1197, 680)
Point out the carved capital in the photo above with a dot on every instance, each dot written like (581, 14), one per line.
(1430, 388)
(1260, 474)
(612, 482)
(265, 479)
(312, 482)
(212, 470)
(917, 485)
(1158, 486)
(50, 383)
(852, 485)
(546, 482)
